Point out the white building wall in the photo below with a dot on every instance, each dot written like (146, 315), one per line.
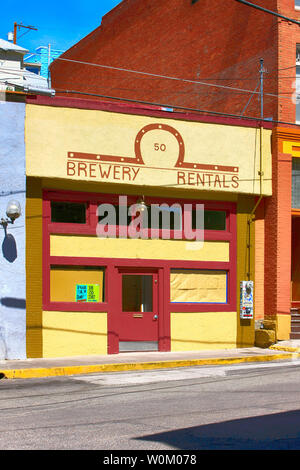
(12, 243)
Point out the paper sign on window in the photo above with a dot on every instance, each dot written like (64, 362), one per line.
(87, 292)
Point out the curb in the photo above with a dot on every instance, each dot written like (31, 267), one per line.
(89, 369)
(284, 348)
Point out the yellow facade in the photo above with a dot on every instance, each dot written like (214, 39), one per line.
(205, 330)
(66, 130)
(61, 245)
(74, 334)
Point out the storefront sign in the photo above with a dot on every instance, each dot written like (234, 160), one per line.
(90, 145)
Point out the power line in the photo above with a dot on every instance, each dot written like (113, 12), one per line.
(195, 82)
(281, 78)
(279, 70)
(170, 106)
(265, 10)
(120, 69)
(153, 74)
(232, 79)
(250, 98)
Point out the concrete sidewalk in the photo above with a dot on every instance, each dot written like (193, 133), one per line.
(33, 368)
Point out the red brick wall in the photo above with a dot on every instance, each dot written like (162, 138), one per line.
(213, 39)
(289, 36)
(278, 238)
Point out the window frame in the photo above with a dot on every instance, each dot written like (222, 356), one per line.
(111, 265)
(80, 265)
(93, 200)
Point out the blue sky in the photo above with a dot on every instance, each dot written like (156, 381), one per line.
(60, 23)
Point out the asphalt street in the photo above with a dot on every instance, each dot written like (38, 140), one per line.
(237, 407)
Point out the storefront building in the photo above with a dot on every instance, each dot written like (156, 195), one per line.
(101, 279)
(282, 230)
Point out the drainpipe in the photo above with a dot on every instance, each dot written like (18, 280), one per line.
(261, 173)
(252, 214)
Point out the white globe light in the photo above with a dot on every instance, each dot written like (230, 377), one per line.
(13, 210)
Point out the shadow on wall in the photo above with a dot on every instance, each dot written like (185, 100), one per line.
(13, 302)
(279, 431)
(9, 248)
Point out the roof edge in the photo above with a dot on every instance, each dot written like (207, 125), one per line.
(147, 110)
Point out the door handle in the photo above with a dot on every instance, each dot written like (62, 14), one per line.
(155, 317)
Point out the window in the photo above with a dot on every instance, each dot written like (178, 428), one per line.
(165, 220)
(199, 286)
(296, 183)
(297, 84)
(137, 293)
(120, 216)
(165, 217)
(298, 94)
(213, 220)
(76, 283)
(68, 212)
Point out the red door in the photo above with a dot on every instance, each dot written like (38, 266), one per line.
(138, 311)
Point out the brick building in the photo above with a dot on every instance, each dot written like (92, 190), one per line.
(197, 41)
(215, 49)
(102, 285)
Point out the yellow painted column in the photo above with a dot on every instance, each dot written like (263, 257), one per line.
(34, 275)
(245, 265)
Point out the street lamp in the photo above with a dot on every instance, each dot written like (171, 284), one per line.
(13, 211)
(141, 205)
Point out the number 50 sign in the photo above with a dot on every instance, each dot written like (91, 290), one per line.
(159, 145)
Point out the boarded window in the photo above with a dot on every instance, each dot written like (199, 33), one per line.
(199, 286)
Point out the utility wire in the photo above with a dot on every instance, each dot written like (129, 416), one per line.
(279, 70)
(170, 106)
(250, 98)
(195, 82)
(152, 74)
(265, 10)
(120, 69)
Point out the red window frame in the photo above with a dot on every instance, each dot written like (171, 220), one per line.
(110, 265)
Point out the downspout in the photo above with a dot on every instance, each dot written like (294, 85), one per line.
(261, 173)
(252, 214)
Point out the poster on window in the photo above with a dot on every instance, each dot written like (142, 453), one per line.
(87, 292)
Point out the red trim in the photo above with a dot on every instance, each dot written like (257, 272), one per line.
(164, 304)
(142, 110)
(146, 328)
(103, 158)
(114, 266)
(92, 201)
